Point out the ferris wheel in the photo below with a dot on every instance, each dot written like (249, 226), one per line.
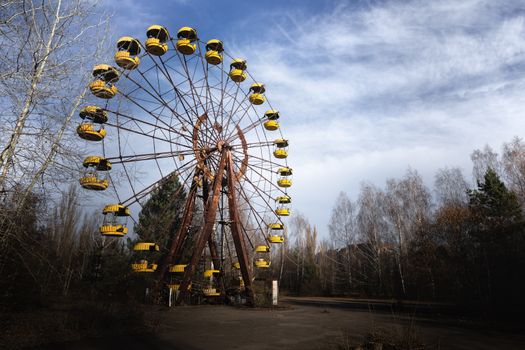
(185, 107)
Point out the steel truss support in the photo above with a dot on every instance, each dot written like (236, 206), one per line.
(206, 230)
(237, 234)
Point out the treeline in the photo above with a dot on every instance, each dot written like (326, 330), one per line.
(457, 243)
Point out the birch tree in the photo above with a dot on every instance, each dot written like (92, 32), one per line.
(47, 51)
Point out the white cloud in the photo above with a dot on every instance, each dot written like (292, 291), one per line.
(366, 93)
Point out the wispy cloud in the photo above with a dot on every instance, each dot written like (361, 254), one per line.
(369, 88)
(366, 92)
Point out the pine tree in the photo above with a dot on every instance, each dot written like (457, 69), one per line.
(495, 209)
(160, 215)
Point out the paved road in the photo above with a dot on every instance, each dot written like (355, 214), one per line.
(293, 327)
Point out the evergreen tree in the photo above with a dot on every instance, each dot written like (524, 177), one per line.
(495, 210)
(160, 215)
(497, 229)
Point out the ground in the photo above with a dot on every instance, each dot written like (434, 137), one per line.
(295, 326)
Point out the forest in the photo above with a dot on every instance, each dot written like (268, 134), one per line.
(456, 242)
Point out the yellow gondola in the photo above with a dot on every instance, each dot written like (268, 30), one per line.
(214, 49)
(284, 182)
(262, 263)
(146, 246)
(262, 249)
(105, 77)
(284, 199)
(257, 96)
(156, 44)
(285, 171)
(236, 265)
(178, 268)
(280, 153)
(143, 266)
(282, 211)
(271, 125)
(114, 224)
(272, 114)
(176, 286)
(91, 179)
(128, 49)
(237, 70)
(210, 292)
(88, 132)
(275, 235)
(275, 239)
(210, 273)
(186, 38)
(92, 115)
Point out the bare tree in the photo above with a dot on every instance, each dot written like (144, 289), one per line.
(513, 162)
(48, 48)
(482, 161)
(372, 226)
(450, 186)
(407, 204)
(343, 233)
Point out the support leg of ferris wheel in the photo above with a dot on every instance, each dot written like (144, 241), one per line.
(206, 230)
(237, 235)
(179, 237)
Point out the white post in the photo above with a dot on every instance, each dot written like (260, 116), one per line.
(169, 297)
(275, 292)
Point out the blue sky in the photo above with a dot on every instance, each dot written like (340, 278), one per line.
(367, 88)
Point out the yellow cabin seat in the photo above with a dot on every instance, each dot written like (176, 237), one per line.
(210, 273)
(157, 38)
(178, 268)
(87, 132)
(271, 125)
(280, 153)
(155, 47)
(213, 57)
(214, 49)
(276, 226)
(146, 246)
(237, 75)
(257, 99)
(236, 265)
(126, 61)
(185, 46)
(91, 182)
(113, 230)
(284, 183)
(282, 211)
(275, 239)
(262, 249)
(100, 89)
(262, 263)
